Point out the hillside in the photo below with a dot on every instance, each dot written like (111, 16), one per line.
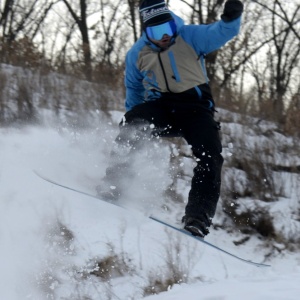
(57, 244)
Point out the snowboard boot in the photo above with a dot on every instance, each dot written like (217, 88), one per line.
(195, 226)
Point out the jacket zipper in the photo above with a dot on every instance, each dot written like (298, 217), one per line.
(164, 73)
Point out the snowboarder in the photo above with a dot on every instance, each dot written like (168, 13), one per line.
(168, 94)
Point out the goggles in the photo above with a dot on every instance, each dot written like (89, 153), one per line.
(158, 31)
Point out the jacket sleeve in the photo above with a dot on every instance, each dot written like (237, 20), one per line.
(133, 81)
(208, 38)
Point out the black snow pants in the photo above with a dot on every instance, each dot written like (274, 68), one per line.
(194, 121)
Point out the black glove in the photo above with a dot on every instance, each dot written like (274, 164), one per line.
(232, 10)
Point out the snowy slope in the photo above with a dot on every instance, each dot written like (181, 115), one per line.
(51, 238)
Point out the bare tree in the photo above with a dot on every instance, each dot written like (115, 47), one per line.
(133, 9)
(80, 19)
(21, 17)
(283, 55)
(269, 38)
(113, 34)
(20, 23)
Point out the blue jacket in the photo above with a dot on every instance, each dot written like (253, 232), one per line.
(151, 71)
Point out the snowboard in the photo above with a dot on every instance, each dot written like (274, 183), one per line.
(180, 230)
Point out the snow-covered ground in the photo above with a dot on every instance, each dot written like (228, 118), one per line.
(51, 239)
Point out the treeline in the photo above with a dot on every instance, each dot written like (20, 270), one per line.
(257, 73)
